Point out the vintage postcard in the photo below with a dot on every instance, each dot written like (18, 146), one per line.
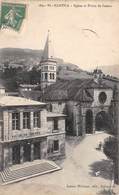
(59, 97)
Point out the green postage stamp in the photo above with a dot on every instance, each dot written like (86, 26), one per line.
(12, 15)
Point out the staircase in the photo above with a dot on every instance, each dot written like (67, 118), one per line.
(27, 170)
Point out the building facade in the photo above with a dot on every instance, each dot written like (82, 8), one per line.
(85, 102)
(28, 132)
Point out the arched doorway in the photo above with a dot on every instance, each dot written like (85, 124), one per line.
(102, 121)
(89, 121)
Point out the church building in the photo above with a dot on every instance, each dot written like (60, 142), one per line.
(86, 102)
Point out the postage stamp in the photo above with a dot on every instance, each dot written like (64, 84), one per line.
(12, 15)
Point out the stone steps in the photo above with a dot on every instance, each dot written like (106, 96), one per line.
(11, 176)
(4, 174)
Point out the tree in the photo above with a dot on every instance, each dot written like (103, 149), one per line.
(110, 147)
(6, 64)
(34, 75)
(15, 76)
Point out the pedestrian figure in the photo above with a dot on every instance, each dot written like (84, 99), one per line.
(100, 146)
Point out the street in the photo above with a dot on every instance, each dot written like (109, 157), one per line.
(85, 171)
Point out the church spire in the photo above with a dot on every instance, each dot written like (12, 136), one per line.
(48, 49)
(48, 64)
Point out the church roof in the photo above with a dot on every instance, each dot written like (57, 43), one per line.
(78, 90)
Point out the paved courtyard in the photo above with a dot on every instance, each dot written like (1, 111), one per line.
(78, 174)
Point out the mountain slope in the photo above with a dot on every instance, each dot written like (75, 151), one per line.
(29, 58)
(112, 70)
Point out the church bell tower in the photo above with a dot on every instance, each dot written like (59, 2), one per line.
(48, 64)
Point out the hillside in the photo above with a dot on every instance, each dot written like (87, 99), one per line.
(29, 58)
(70, 73)
(111, 70)
(25, 57)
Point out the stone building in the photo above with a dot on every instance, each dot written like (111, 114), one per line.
(28, 132)
(85, 102)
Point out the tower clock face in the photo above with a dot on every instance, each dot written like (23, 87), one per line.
(102, 97)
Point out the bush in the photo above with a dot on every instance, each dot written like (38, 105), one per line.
(110, 147)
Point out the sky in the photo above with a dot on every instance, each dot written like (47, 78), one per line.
(86, 36)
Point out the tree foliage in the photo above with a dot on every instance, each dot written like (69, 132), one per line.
(13, 77)
(110, 147)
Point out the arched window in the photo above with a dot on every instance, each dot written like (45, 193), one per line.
(102, 97)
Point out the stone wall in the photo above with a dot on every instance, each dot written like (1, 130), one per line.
(61, 152)
(1, 158)
(6, 156)
(109, 93)
(70, 118)
(43, 148)
(74, 118)
(6, 125)
(61, 124)
(72, 110)
(1, 125)
(58, 107)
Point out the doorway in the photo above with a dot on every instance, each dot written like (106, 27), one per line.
(36, 150)
(27, 152)
(16, 154)
(102, 121)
